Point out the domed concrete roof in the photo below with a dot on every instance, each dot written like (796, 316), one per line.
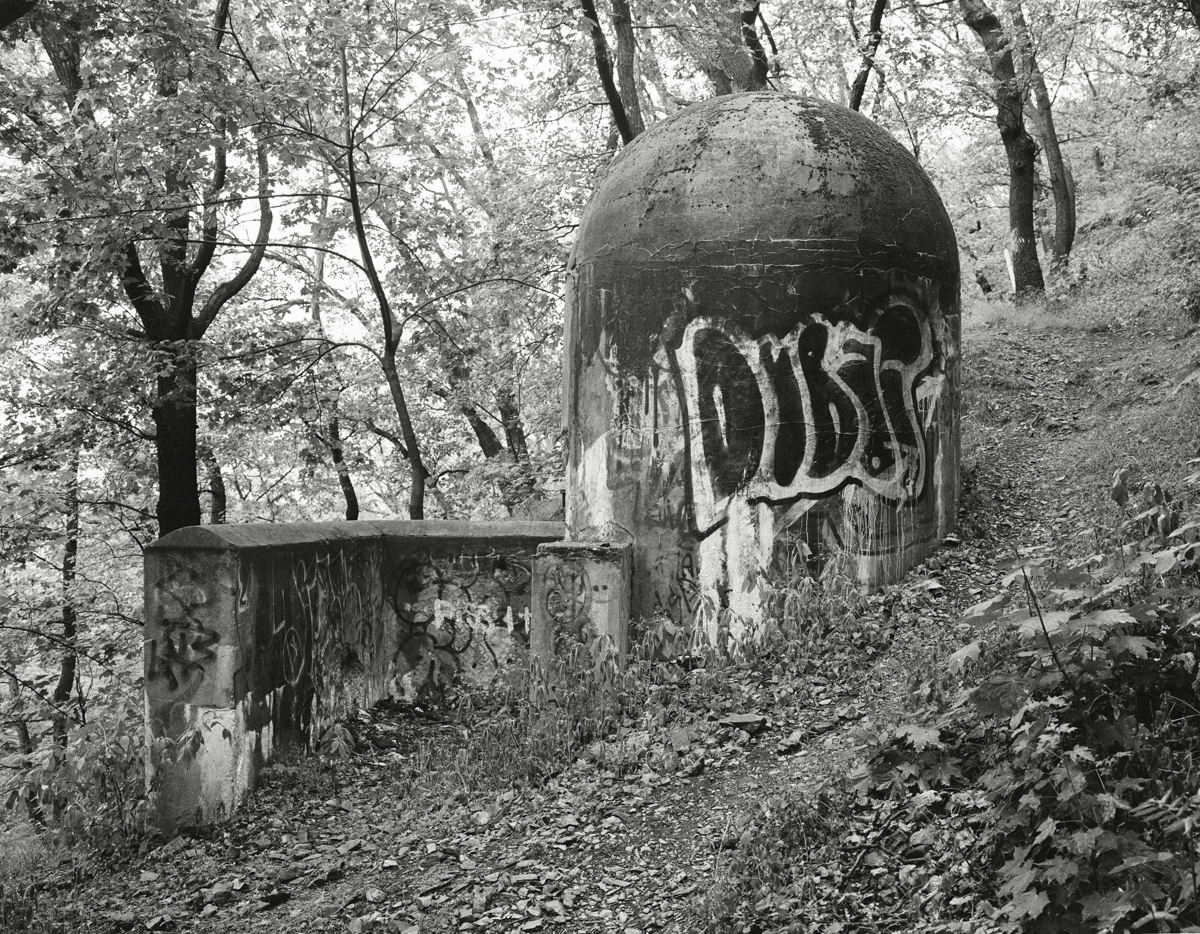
(765, 174)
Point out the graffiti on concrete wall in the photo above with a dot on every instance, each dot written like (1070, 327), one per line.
(775, 419)
(182, 641)
(459, 614)
(317, 616)
(566, 596)
(339, 607)
(677, 591)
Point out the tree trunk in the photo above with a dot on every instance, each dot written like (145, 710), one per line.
(874, 37)
(175, 444)
(411, 450)
(1019, 147)
(169, 314)
(756, 79)
(1060, 180)
(514, 430)
(66, 672)
(605, 70)
(333, 438)
(218, 500)
(488, 442)
(343, 472)
(626, 75)
(391, 332)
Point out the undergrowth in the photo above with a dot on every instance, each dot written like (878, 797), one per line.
(1057, 789)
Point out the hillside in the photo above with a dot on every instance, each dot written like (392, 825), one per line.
(672, 821)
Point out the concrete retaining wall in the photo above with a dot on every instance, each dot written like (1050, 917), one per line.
(262, 635)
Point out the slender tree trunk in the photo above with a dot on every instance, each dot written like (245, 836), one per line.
(411, 450)
(333, 436)
(1019, 147)
(218, 499)
(604, 68)
(1060, 178)
(66, 672)
(874, 38)
(626, 75)
(25, 743)
(756, 79)
(391, 331)
(343, 473)
(514, 430)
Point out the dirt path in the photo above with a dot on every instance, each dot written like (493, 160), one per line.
(1048, 415)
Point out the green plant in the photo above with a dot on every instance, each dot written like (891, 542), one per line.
(1082, 742)
(93, 788)
(337, 740)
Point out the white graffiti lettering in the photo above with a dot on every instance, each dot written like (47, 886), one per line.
(773, 419)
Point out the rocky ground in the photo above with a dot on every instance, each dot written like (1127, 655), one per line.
(636, 835)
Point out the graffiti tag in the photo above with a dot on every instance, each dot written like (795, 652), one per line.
(772, 419)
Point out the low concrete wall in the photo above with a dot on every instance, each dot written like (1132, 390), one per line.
(261, 635)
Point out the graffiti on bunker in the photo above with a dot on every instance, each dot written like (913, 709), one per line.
(775, 419)
(459, 613)
(182, 645)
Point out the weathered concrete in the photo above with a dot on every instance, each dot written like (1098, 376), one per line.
(580, 592)
(763, 346)
(260, 635)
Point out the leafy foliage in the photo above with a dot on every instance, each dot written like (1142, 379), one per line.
(1076, 740)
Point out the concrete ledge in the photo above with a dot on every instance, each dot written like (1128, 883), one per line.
(246, 535)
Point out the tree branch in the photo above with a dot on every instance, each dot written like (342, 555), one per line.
(148, 308)
(227, 290)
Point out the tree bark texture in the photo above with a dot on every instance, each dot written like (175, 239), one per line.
(626, 75)
(604, 68)
(66, 672)
(1061, 182)
(175, 443)
(874, 38)
(1019, 147)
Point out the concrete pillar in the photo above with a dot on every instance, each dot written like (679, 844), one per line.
(580, 591)
(762, 347)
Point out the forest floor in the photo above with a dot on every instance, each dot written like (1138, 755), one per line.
(637, 836)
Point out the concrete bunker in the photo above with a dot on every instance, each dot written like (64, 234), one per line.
(762, 350)
(762, 345)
